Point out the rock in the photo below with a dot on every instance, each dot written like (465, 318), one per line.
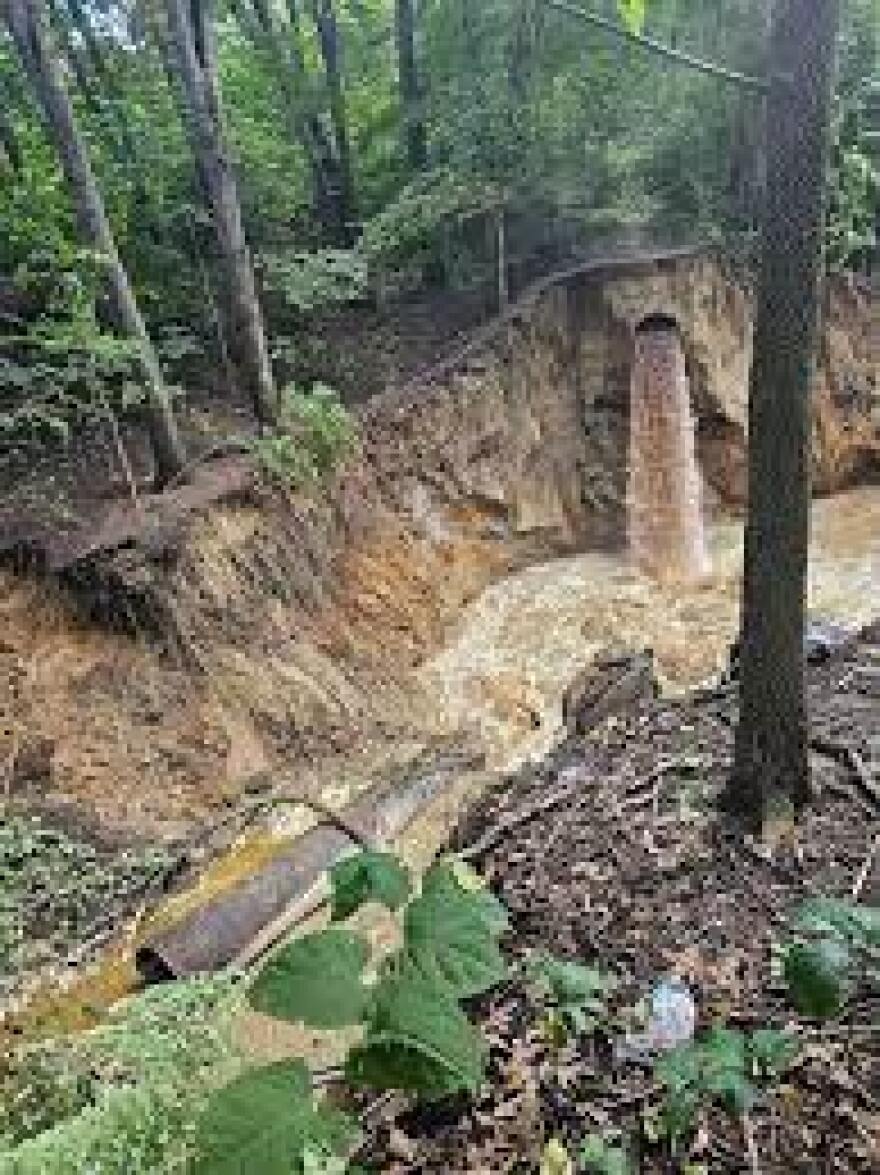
(822, 639)
(32, 765)
(614, 682)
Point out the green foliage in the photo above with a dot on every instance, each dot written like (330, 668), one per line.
(123, 1099)
(265, 1121)
(416, 1037)
(632, 13)
(722, 1067)
(822, 963)
(314, 281)
(370, 876)
(830, 917)
(599, 1157)
(578, 994)
(450, 934)
(315, 433)
(555, 1159)
(53, 887)
(408, 227)
(315, 979)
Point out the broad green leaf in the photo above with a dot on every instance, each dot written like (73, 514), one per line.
(680, 1067)
(368, 877)
(723, 1069)
(264, 1121)
(417, 1039)
(316, 980)
(450, 946)
(450, 934)
(453, 879)
(817, 976)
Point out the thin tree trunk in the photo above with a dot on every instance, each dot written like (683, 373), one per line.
(27, 26)
(771, 755)
(304, 126)
(415, 134)
(501, 258)
(9, 144)
(328, 37)
(192, 40)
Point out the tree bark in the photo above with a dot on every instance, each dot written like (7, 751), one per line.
(415, 134)
(28, 27)
(328, 37)
(192, 41)
(771, 753)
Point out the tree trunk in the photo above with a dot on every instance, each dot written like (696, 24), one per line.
(771, 757)
(9, 148)
(415, 133)
(305, 127)
(27, 26)
(192, 41)
(328, 37)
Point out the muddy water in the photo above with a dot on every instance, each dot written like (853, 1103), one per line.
(525, 637)
(501, 674)
(664, 495)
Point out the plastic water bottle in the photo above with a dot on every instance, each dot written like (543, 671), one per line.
(673, 1015)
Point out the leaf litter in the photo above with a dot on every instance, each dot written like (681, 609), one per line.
(637, 877)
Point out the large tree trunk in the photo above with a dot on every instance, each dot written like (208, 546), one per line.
(771, 758)
(328, 37)
(192, 38)
(27, 25)
(411, 98)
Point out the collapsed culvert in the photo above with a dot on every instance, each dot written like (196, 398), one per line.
(241, 922)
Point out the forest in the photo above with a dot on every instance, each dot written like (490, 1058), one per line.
(186, 192)
(439, 563)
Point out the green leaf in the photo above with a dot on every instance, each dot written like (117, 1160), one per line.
(417, 1039)
(679, 1110)
(771, 1052)
(859, 925)
(632, 13)
(453, 879)
(316, 980)
(723, 1070)
(679, 1067)
(264, 1121)
(569, 982)
(368, 877)
(598, 1157)
(817, 976)
(450, 934)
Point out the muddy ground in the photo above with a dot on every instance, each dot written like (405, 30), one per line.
(633, 870)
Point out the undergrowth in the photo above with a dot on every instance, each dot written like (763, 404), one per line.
(123, 1099)
(53, 885)
(315, 432)
(160, 1087)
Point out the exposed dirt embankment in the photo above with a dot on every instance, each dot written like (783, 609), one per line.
(227, 628)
